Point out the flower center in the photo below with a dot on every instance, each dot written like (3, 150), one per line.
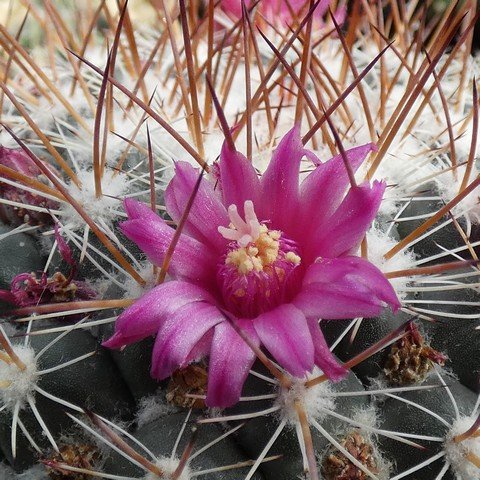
(256, 274)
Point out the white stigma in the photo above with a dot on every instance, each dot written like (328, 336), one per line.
(242, 231)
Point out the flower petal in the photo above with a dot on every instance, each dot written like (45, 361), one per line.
(324, 358)
(285, 334)
(207, 212)
(346, 287)
(136, 209)
(190, 260)
(179, 335)
(230, 361)
(147, 314)
(280, 182)
(238, 179)
(343, 232)
(323, 190)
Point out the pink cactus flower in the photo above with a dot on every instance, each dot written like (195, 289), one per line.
(270, 253)
(280, 11)
(17, 160)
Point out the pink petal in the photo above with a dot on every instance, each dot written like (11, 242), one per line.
(285, 334)
(323, 190)
(343, 232)
(345, 287)
(324, 358)
(190, 260)
(207, 211)
(136, 209)
(280, 183)
(230, 361)
(179, 335)
(238, 179)
(143, 318)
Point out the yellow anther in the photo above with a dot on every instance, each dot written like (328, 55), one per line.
(292, 258)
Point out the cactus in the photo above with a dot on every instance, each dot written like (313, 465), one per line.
(190, 288)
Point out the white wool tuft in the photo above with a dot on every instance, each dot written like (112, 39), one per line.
(379, 243)
(22, 382)
(168, 466)
(151, 408)
(104, 208)
(314, 399)
(455, 452)
(449, 186)
(133, 289)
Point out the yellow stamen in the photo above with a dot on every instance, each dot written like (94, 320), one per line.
(292, 258)
(258, 255)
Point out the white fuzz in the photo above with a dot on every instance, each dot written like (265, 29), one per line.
(464, 470)
(151, 408)
(313, 399)
(449, 186)
(169, 465)
(104, 208)
(368, 417)
(133, 289)
(20, 382)
(379, 243)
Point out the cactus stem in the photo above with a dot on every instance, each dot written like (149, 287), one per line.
(432, 220)
(266, 449)
(117, 443)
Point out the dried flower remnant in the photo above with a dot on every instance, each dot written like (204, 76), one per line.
(411, 359)
(272, 255)
(73, 455)
(32, 289)
(336, 466)
(18, 162)
(187, 381)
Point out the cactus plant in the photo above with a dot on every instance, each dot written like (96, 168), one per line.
(190, 288)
